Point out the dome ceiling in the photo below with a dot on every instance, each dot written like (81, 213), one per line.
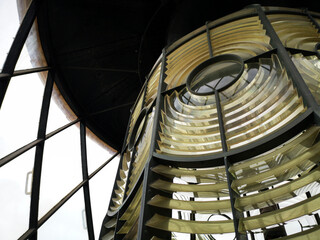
(102, 50)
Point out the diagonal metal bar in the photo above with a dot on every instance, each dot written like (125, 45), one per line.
(110, 109)
(30, 232)
(285, 59)
(16, 47)
(32, 144)
(24, 72)
(86, 190)
(146, 212)
(34, 207)
(209, 40)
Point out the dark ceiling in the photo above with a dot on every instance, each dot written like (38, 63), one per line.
(102, 49)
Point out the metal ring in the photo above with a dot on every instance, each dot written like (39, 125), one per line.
(212, 61)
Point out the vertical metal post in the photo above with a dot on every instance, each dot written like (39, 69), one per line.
(145, 214)
(86, 191)
(233, 195)
(16, 47)
(285, 59)
(34, 207)
(209, 40)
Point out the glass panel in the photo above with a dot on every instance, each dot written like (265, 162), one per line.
(61, 169)
(32, 53)
(184, 59)
(68, 222)
(282, 215)
(97, 152)
(57, 115)
(245, 38)
(19, 114)
(9, 24)
(266, 104)
(24, 61)
(15, 182)
(184, 226)
(121, 182)
(215, 77)
(295, 31)
(141, 154)
(135, 114)
(100, 193)
(189, 125)
(152, 87)
(60, 113)
(309, 68)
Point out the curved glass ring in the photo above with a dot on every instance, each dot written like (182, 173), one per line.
(217, 73)
(137, 129)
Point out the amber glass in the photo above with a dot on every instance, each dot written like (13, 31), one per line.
(295, 31)
(263, 106)
(309, 68)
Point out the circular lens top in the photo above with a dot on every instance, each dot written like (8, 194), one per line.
(217, 73)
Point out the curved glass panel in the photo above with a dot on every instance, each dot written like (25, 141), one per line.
(72, 212)
(15, 184)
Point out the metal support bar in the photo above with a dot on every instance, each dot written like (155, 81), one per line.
(209, 40)
(24, 72)
(233, 195)
(86, 190)
(16, 47)
(110, 109)
(34, 207)
(145, 213)
(285, 59)
(29, 233)
(32, 144)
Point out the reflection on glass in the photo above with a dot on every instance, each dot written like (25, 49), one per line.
(17, 126)
(215, 76)
(61, 168)
(68, 222)
(267, 103)
(110, 226)
(15, 185)
(189, 128)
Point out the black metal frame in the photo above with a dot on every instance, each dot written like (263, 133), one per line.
(5, 76)
(228, 157)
